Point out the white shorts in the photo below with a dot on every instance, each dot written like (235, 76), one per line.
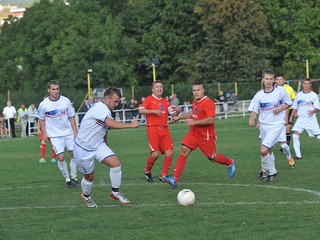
(310, 124)
(60, 143)
(283, 135)
(85, 159)
(270, 134)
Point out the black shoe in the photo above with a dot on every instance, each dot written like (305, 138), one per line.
(71, 184)
(75, 182)
(298, 158)
(262, 176)
(148, 177)
(272, 177)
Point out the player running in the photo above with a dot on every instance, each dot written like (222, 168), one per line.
(57, 122)
(201, 135)
(306, 105)
(156, 110)
(91, 144)
(270, 104)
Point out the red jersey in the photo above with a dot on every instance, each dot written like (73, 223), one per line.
(153, 103)
(201, 110)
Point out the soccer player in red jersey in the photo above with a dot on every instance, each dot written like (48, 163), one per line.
(157, 110)
(201, 134)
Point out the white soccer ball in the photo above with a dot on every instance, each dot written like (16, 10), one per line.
(186, 197)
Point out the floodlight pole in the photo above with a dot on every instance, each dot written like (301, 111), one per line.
(154, 71)
(88, 79)
(307, 68)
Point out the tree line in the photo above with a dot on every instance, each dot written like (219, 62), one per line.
(208, 40)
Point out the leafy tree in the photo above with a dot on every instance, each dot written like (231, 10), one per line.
(294, 26)
(234, 47)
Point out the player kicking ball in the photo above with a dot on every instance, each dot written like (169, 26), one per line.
(201, 135)
(91, 144)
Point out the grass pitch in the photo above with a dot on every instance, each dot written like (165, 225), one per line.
(36, 204)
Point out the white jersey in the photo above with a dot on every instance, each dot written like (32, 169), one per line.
(93, 127)
(56, 114)
(263, 103)
(305, 102)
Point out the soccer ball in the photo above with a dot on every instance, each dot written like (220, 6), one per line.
(186, 197)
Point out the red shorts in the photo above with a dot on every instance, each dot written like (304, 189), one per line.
(159, 139)
(207, 146)
(42, 137)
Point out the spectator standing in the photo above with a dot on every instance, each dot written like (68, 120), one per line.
(270, 104)
(156, 110)
(91, 144)
(305, 105)
(23, 119)
(32, 117)
(9, 115)
(221, 100)
(201, 135)
(3, 128)
(174, 101)
(84, 108)
(57, 121)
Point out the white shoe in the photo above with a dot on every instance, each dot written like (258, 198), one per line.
(120, 197)
(88, 201)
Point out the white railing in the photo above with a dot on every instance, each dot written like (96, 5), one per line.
(238, 109)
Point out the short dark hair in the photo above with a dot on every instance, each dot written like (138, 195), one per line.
(280, 75)
(268, 71)
(112, 91)
(154, 82)
(307, 80)
(198, 82)
(52, 82)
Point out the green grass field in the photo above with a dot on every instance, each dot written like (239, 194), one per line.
(36, 204)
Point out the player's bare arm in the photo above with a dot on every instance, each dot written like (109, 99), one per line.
(114, 124)
(182, 116)
(147, 111)
(293, 114)
(43, 128)
(74, 126)
(280, 109)
(253, 115)
(202, 122)
(311, 112)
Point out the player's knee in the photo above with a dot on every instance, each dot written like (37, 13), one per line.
(169, 153)
(155, 154)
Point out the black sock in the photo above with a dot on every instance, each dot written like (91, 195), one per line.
(115, 189)
(288, 138)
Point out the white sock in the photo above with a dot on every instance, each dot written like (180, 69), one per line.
(115, 177)
(86, 186)
(264, 162)
(64, 169)
(318, 137)
(285, 147)
(73, 169)
(296, 144)
(271, 164)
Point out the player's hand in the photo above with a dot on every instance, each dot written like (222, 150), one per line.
(310, 112)
(251, 122)
(157, 111)
(135, 124)
(258, 125)
(178, 109)
(174, 119)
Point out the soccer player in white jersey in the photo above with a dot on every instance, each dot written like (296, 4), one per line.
(56, 119)
(91, 144)
(270, 104)
(306, 105)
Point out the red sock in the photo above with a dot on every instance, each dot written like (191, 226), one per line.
(43, 150)
(222, 159)
(53, 154)
(166, 165)
(150, 164)
(178, 169)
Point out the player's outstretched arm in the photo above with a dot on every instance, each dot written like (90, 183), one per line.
(114, 124)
